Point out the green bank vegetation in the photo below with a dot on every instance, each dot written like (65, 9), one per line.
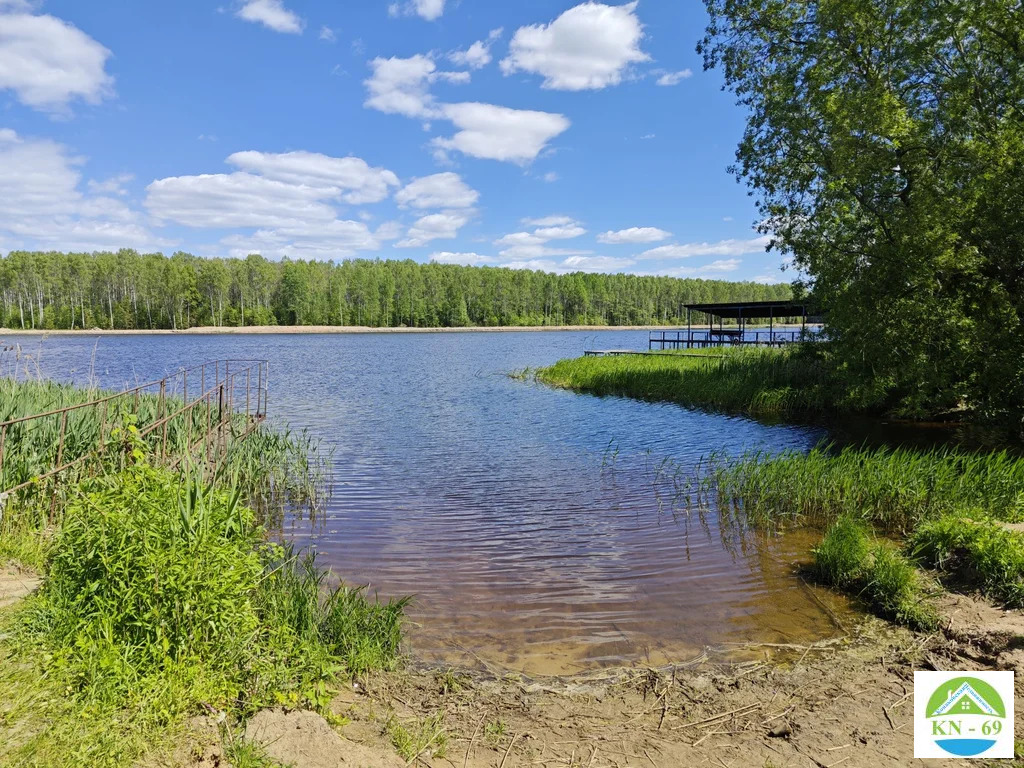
(164, 596)
(763, 382)
(127, 289)
(949, 509)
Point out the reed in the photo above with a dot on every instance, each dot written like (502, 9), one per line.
(763, 382)
(894, 489)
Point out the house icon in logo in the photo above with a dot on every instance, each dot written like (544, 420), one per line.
(964, 701)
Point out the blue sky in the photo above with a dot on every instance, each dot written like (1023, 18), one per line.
(541, 134)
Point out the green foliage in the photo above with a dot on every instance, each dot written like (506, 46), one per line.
(885, 142)
(979, 551)
(764, 382)
(842, 556)
(893, 488)
(876, 571)
(894, 587)
(129, 290)
(160, 596)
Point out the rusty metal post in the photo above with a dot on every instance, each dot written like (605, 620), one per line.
(184, 378)
(248, 371)
(259, 389)
(103, 426)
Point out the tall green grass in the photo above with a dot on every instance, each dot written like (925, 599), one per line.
(892, 488)
(164, 598)
(766, 382)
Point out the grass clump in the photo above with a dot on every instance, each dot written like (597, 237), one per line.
(161, 599)
(892, 488)
(979, 552)
(419, 738)
(762, 382)
(843, 555)
(876, 571)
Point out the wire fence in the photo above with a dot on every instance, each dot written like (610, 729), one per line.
(196, 412)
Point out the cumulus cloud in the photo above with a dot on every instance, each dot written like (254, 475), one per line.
(327, 34)
(674, 78)
(271, 14)
(478, 55)
(48, 62)
(43, 206)
(115, 185)
(721, 248)
(465, 259)
(350, 178)
(402, 86)
(634, 235)
(435, 226)
(500, 133)
(589, 46)
(441, 190)
(288, 200)
(520, 244)
(537, 251)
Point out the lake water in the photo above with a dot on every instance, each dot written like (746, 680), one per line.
(539, 530)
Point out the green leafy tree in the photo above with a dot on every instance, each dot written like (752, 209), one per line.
(885, 143)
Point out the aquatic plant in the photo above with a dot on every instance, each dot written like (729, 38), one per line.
(892, 488)
(764, 382)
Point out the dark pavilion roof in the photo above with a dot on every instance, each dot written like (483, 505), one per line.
(755, 309)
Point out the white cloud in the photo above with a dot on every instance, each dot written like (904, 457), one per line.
(529, 244)
(441, 190)
(721, 248)
(115, 185)
(466, 259)
(425, 9)
(560, 232)
(327, 34)
(500, 133)
(42, 204)
(304, 240)
(478, 55)
(350, 178)
(401, 86)
(674, 78)
(271, 14)
(634, 235)
(549, 221)
(48, 62)
(236, 200)
(647, 136)
(550, 177)
(589, 46)
(597, 263)
(435, 226)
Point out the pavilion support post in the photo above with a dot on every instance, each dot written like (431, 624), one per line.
(689, 330)
(771, 327)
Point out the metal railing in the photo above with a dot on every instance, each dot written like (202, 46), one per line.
(209, 421)
(719, 337)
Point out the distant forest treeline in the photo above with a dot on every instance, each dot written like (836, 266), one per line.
(151, 291)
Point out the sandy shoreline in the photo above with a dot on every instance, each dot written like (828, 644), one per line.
(312, 329)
